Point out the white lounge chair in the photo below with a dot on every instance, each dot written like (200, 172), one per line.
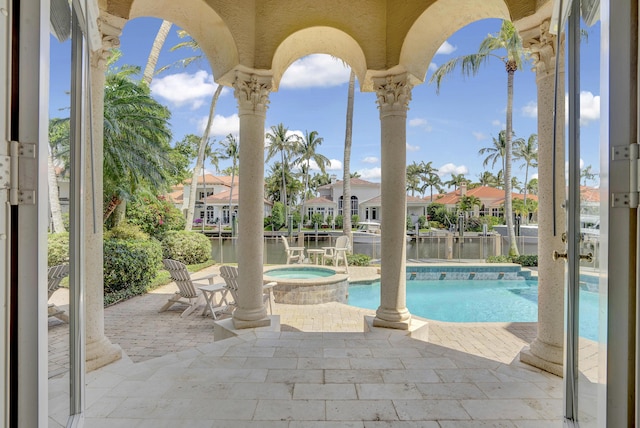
(338, 253)
(230, 276)
(187, 293)
(294, 254)
(55, 274)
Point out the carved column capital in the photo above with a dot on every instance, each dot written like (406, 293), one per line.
(252, 92)
(394, 93)
(111, 28)
(542, 45)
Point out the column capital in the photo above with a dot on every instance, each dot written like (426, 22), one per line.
(393, 92)
(252, 92)
(110, 27)
(542, 45)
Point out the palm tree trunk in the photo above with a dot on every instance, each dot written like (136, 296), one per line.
(111, 207)
(233, 176)
(54, 199)
(158, 42)
(304, 194)
(200, 160)
(526, 180)
(346, 185)
(508, 205)
(283, 196)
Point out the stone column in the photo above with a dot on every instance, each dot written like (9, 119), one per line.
(394, 94)
(546, 351)
(99, 350)
(252, 93)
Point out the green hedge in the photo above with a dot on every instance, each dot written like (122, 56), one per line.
(358, 259)
(58, 248)
(186, 247)
(129, 266)
(527, 260)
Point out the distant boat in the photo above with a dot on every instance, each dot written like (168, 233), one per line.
(368, 232)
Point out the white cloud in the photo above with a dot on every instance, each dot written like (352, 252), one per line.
(534, 176)
(411, 148)
(589, 108)
(315, 71)
(446, 48)
(184, 88)
(498, 123)
(432, 67)
(419, 122)
(530, 109)
(289, 133)
(370, 173)
(370, 159)
(222, 126)
(313, 166)
(480, 135)
(336, 165)
(450, 168)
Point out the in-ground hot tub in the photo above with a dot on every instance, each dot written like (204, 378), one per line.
(307, 285)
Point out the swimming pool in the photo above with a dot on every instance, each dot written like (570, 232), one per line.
(295, 272)
(476, 301)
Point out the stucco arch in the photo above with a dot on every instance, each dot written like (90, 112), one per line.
(437, 23)
(312, 40)
(202, 23)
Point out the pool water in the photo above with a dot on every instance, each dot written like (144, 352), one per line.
(300, 273)
(476, 301)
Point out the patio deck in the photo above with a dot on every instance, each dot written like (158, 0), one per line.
(321, 370)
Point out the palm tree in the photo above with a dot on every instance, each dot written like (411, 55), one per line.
(58, 153)
(308, 151)
(528, 152)
(230, 150)
(487, 178)
(287, 145)
(496, 151)
(154, 54)
(136, 139)
(512, 54)
(413, 178)
(346, 176)
(456, 181)
(587, 174)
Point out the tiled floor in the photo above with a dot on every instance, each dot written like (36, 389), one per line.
(321, 370)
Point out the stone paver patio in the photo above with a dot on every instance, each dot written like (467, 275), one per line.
(321, 370)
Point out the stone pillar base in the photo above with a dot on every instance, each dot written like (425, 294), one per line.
(416, 329)
(240, 324)
(226, 328)
(398, 325)
(528, 357)
(101, 353)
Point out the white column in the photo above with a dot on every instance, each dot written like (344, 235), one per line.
(252, 93)
(99, 350)
(546, 350)
(394, 94)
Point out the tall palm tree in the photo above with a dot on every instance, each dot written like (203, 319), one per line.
(308, 151)
(587, 174)
(413, 177)
(456, 181)
(230, 150)
(527, 151)
(487, 178)
(496, 152)
(58, 155)
(346, 176)
(280, 140)
(507, 47)
(136, 139)
(154, 54)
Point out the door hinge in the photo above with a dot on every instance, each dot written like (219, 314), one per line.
(629, 154)
(18, 173)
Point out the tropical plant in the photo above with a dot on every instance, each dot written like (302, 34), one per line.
(273, 184)
(507, 47)
(414, 172)
(281, 140)
(308, 151)
(468, 202)
(154, 54)
(230, 150)
(527, 151)
(487, 178)
(532, 186)
(495, 152)
(57, 156)
(587, 175)
(136, 139)
(456, 181)
(433, 180)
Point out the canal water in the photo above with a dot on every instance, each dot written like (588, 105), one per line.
(225, 250)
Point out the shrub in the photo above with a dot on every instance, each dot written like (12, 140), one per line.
(339, 221)
(316, 218)
(355, 219)
(422, 221)
(130, 265)
(155, 215)
(58, 248)
(358, 259)
(499, 259)
(527, 260)
(277, 215)
(329, 219)
(186, 247)
(126, 231)
(474, 224)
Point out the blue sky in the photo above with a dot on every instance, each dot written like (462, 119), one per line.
(446, 129)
